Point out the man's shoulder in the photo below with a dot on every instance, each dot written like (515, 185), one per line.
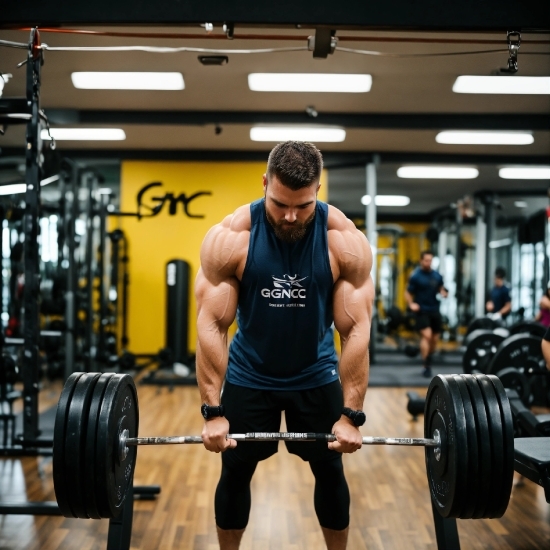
(226, 243)
(338, 222)
(239, 221)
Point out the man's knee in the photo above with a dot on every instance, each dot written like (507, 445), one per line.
(426, 334)
(331, 497)
(232, 500)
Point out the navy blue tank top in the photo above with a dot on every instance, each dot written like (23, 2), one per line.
(285, 339)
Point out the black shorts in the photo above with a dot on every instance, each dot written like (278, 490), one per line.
(429, 319)
(250, 410)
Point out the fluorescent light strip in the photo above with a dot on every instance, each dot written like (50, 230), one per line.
(84, 134)
(17, 188)
(438, 172)
(469, 84)
(525, 173)
(386, 200)
(500, 243)
(520, 204)
(127, 81)
(282, 133)
(461, 137)
(312, 82)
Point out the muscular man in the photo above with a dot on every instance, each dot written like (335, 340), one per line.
(500, 304)
(287, 266)
(424, 285)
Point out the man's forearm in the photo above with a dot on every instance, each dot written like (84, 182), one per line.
(211, 367)
(354, 370)
(506, 309)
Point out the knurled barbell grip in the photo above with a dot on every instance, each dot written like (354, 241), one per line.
(281, 436)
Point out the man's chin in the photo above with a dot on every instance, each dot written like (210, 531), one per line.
(290, 234)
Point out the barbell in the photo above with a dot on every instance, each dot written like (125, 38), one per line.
(468, 440)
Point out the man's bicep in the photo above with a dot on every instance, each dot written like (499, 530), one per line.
(216, 299)
(353, 306)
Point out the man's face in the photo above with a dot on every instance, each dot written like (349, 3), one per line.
(426, 262)
(289, 212)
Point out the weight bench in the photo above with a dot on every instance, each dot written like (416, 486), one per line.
(528, 423)
(532, 460)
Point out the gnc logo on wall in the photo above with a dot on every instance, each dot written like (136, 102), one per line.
(156, 203)
(286, 286)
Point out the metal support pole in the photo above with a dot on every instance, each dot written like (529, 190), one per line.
(102, 272)
(72, 275)
(442, 251)
(372, 236)
(370, 212)
(31, 228)
(481, 257)
(120, 529)
(89, 341)
(458, 267)
(490, 221)
(446, 532)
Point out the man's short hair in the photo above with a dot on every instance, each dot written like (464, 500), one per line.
(500, 273)
(426, 253)
(296, 164)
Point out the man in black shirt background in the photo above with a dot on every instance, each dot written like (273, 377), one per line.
(500, 303)
(421, 295)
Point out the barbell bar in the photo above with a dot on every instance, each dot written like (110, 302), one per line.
(277, 436)
(468, 440)
(124, 441)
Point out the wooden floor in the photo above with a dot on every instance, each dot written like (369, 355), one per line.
(390, 500)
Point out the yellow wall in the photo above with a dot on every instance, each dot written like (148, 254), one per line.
(153, 241)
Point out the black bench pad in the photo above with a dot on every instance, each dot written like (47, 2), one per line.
(532, 460)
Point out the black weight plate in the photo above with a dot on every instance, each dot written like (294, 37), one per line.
(496, 434)
(446, 476)
(513, 379)
(119, 410)
(483, 444)
(483, 323)
(75, 442)
(481, 346)
(91, 443)
(531, 327)
(521, 351)
(471, 491)
(508, 446)
(61, 484)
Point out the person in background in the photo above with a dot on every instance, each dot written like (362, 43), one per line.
(543, 316)
(421, 296)
(546, 348)
(500, 303)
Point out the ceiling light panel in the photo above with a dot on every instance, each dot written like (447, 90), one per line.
(84, 134)
(313, 82)
(462, 137)
(295, 133)
(438, 172)
(469, 84)
(386, 200)
(127, 81)
(525, 173)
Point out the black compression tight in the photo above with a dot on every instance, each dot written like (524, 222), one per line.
(232, 501)
(331, 497)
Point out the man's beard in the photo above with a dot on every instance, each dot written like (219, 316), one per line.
(289, 233)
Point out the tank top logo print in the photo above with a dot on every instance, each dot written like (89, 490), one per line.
(287, 287)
